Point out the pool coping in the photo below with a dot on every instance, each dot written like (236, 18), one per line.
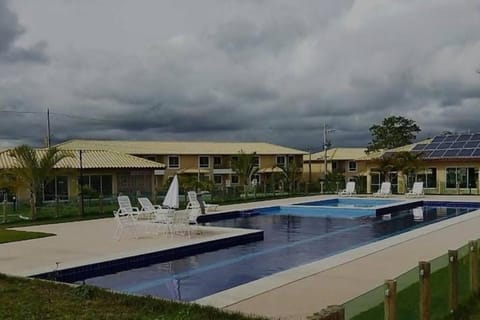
(232, 296)
(95, 267)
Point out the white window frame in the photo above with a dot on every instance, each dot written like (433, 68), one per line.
(200, 164)
(356, 166)
(284, 164)
(171, 157)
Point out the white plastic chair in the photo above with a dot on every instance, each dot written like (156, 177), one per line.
(161, 216)
(194, 203)
(385, 190)
(129, 217)
(349, 189)
(417, 190)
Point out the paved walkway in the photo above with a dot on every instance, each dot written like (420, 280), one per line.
(291, 294)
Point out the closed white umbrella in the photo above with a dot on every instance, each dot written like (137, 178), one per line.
(171, 198)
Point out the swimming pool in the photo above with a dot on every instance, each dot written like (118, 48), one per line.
(289, 241)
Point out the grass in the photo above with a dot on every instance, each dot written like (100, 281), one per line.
(13, 235)
(22, 298)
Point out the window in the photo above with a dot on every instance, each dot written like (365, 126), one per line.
(281, 161)
(461, 178)
(428, 177)
(217, 179)
(204, 161)
(256, 161)
(334, 165)
(235, 179)
(217, 162)
(174, 162)
(255, 180)
(98, 184)
(352, 166)
(56, 188)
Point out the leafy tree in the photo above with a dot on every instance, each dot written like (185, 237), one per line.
(407, 162)
(385, 164)
(33, 169)
(290, 174)
(245, 166)
(395, 131)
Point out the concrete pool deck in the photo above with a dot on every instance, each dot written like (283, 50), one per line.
(291, 294)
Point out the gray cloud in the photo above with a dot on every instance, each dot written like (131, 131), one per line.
(10, 31)
(238, 70)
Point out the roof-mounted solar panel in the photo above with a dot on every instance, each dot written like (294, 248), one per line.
(465, 153)
(475, 137)
(464, 137)
(458, 144)
(426, 154)
(438, 139)
(450, 138)
(432, 146)
(437, 154)
(471, 144)
(476, 153)
(451, 153)
(444, 145)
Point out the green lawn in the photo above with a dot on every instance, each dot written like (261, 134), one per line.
(13, 235)
(22, 298)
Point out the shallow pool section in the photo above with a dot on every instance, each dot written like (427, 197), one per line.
(290, 240)
(349, 207)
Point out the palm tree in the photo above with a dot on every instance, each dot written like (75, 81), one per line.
(290, 173)
(245, 166)
(385, 164)
(407, 162)
(34, 168)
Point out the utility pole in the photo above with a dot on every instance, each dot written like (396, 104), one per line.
(82, 209)
(325, 144)
(49, 135)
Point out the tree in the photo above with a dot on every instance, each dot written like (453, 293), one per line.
(407, 162)
(245, 166)
(290, 174)
(385, 164)
(395, 131)
(33, 169)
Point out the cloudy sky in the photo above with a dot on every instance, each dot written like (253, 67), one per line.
(236, 70)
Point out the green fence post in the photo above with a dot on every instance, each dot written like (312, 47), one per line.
(473, 246)
(425, 292)
(390, 300)
(453, 272)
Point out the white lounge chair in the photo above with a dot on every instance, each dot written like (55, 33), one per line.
(194, 203)
(417, 190)
(129, 217)
(418, 214)
(385, 190)
(349, 189)
(160, 215)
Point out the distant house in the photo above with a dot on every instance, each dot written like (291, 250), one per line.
(204, 160)
(104, 172)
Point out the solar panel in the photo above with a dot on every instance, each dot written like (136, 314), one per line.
(451, 153)
(432, 146)
(471, 144)
(437, 154)
(438, 139)
(476, 137)
(458, 145)
(444, 145)
(464, 137)
(465, 153)
(419, 147)
(476, 153)
(450, 138)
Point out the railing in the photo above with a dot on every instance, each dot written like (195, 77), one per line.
(433, 290)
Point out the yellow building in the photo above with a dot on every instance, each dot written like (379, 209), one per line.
(204, 160)
(104, 172)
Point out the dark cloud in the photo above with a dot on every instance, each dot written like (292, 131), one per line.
(10, 31)
(238, 70)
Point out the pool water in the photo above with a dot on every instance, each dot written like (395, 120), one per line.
(289, 241)
(350, 202)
